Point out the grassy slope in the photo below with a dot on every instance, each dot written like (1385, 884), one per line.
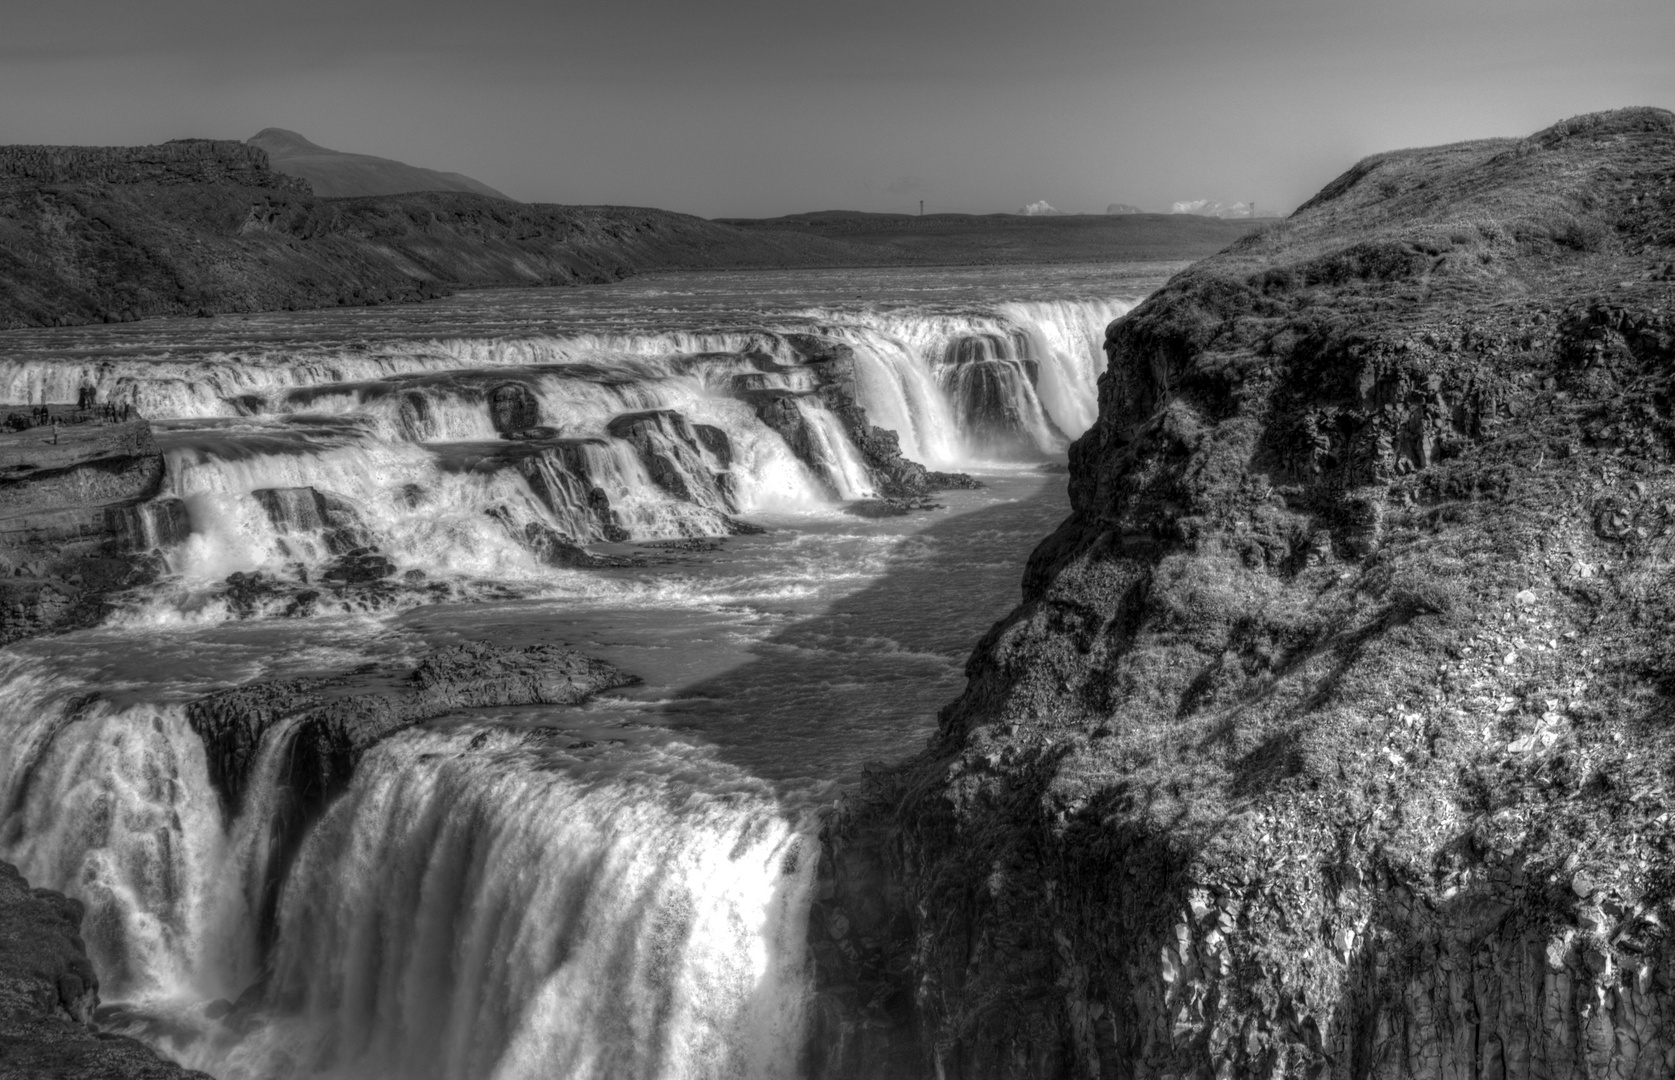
(1333, 734)
(89, 251)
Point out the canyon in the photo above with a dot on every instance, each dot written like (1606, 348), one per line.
(1330, 738)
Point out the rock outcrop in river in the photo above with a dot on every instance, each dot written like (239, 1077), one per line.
(1331, 738)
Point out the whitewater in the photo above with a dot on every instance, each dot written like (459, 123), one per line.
(618, 889)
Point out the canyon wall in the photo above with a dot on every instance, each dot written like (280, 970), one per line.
(1331, 738)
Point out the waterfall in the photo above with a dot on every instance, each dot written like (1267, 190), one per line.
(471, 909)
(114, 807)
(496, 897)
(479, 903)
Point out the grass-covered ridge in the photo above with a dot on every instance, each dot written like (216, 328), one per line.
(1333, 736)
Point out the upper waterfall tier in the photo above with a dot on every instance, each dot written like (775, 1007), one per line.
(488, 441)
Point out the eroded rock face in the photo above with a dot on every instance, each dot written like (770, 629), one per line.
(329, 727)
(80, 520)
(49, 991)
(513, 408)
(1330, 737)
(895, 476)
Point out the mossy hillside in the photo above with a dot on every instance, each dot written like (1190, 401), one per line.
(1335, 719)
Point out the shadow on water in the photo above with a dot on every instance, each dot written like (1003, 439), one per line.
(862, 680)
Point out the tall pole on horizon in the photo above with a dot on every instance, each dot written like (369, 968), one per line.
(921, 208)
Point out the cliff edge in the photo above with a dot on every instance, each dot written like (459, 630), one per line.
(1332, 736)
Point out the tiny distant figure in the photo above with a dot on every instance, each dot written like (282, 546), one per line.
(88, 395)
(127, 411)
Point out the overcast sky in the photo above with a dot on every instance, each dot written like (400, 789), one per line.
(762, 107)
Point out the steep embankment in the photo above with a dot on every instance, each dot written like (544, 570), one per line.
(91, 234)
(1332, 735)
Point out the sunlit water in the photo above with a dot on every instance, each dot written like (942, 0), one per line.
(613, 890)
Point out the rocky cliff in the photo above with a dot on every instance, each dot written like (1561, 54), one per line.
(110, 234)
(80, 520)
(1332, 735)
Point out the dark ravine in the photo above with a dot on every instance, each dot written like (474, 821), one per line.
(48, 994)
(1331, 737)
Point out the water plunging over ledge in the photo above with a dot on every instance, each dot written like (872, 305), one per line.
(612, 890)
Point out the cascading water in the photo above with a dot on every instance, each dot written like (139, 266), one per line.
(616, 891)
(477, 904)
(409, 435)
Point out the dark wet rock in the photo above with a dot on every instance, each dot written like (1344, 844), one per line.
(531, 433)
(716, 442)
(359, 566)
(555, 550)
(890, 507)
(513, 408)
(673, 450)
(49, 995)
(690, 546)
(304, 511)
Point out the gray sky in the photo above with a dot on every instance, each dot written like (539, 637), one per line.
(755, 108)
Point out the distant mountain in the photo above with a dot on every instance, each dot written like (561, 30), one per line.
(1038, 209)
(336, 174)
(1123, 208)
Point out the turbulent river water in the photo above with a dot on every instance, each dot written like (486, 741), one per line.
(626, 898)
